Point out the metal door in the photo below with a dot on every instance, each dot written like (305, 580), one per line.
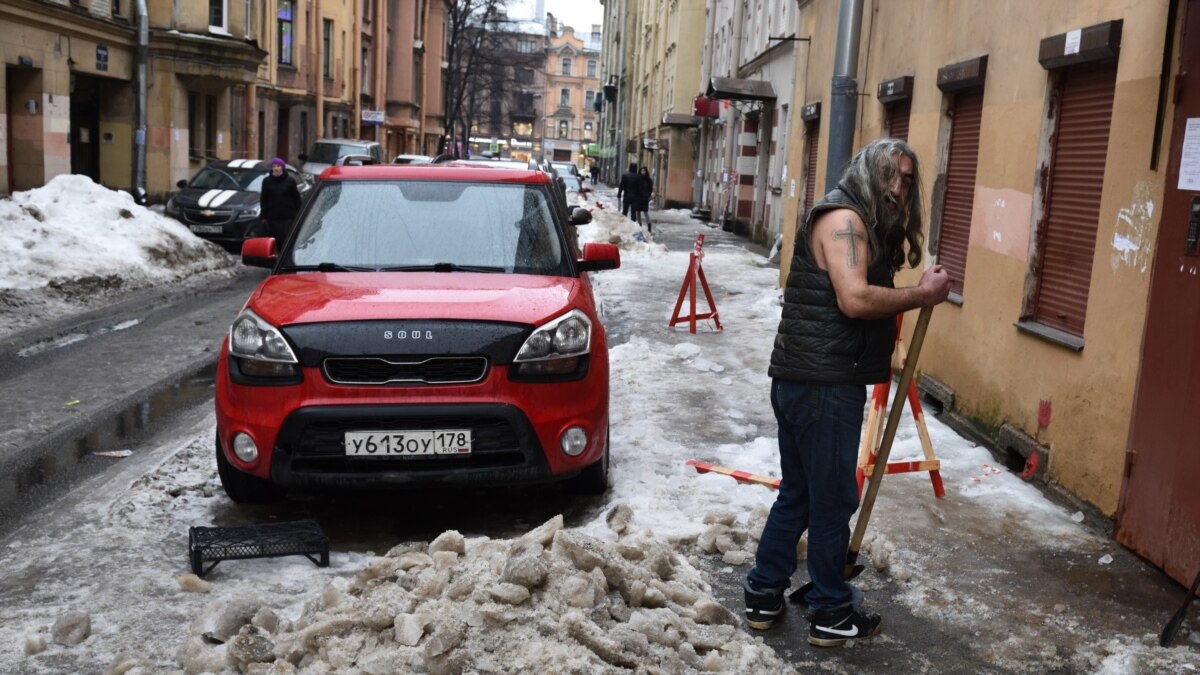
(1067, 244)
(1159, 513)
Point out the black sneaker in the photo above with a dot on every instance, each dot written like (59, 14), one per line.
(762, 607)
(831, 628)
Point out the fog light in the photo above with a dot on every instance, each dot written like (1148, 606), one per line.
(244, 448)
(574, 441)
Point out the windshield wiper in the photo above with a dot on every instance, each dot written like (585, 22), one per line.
(441, 267)
(328, 267)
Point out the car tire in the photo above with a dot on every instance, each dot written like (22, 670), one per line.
(242, 487)
(594, 479)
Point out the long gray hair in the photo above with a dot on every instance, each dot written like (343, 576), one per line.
(867, 175)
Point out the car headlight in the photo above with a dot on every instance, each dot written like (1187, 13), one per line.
(254, 211)
(556, 347)
(171, 209)
(260, 348)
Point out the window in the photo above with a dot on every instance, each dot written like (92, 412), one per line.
(589, 98)
(587, 129)
(216, 16)
(1067, 237)
(286, 8)
(958, 202)
(525, 46)
(564, 129)
(591, 68)
(368, 10)
(366, 67)
(564, 98)
(811, 131)
(525, 75)
(897, 119)
(566, 65)
(327, 46)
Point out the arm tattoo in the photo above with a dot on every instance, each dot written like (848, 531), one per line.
(849, 233)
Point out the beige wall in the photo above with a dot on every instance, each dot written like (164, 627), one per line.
(999, 374)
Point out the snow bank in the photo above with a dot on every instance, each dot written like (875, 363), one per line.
(72, 244)
(552, 599)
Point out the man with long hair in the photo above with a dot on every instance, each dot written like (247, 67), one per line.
(836, 336)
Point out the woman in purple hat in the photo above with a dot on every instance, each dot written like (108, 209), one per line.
(280, 202)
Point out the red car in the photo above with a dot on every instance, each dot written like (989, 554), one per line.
(423, 324)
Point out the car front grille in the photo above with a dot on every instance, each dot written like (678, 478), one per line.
(208, 216)
(379, 371)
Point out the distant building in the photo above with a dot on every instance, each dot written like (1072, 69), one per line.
(570, 115)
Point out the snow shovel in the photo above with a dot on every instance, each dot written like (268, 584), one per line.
(1172, 627)
(853, 569)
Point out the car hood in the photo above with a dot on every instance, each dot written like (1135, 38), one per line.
(197, 198)
(316, 297)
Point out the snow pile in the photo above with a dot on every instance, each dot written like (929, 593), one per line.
(73, 244)
(552, 599)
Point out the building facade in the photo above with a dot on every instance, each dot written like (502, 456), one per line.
(570, 121)
(225, 80)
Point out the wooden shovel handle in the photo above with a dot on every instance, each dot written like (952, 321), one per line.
(889, 434)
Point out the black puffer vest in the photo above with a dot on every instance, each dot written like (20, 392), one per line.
(816, 342)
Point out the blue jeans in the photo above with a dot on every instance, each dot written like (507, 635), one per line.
(819, 430)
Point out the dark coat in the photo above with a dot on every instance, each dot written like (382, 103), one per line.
(645, 189)
(280, 199)
(628, 187)
(816, 342)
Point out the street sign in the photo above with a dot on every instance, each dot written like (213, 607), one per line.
(372, 116)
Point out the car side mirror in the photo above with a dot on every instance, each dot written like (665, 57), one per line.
(580, 216)
(181, 184)
(597, 256)
(259, 252)
(303, 157)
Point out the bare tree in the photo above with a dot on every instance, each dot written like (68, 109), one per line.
(465, 33)
(508, 80)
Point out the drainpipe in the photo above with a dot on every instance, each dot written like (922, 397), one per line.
(139, 148)
(710, 21)
(318, 66)
(844, 101)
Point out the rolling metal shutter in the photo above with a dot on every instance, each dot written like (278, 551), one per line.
(898, 113)
(959, 199)
(1067, 237)
(810, 165)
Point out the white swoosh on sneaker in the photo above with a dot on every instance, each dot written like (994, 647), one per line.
(768, 612)
(850, 632)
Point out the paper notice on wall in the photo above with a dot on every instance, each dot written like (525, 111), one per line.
(176, 134)
(792, 189)
(1072, 44)
(1189, 164)
(220, 138)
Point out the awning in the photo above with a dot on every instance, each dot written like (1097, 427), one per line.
(680, 120)
(740, 90)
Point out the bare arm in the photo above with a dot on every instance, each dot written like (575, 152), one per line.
(841, 247)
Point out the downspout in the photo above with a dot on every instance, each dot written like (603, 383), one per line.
(423, 26)
(319, 67)
(710, 23)
(381, 82)
(844, 99)
(141, 55)
(356, 73)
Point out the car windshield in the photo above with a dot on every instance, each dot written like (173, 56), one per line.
(328, 153)
(430, 225)
(228, 178)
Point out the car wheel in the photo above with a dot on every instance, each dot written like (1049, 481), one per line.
(594, 480)
(242, 487)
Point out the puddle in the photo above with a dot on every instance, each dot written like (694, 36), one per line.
(99, 449)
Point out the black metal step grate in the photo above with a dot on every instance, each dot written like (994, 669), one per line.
(264, 540)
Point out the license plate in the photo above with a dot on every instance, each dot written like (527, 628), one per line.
(408, 443)
(206, 229)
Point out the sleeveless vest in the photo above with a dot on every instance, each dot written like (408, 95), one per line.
(816, 342)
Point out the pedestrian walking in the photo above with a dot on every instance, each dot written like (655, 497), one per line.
(836, 336)
(280, 202)
(627, 191)
(645, 190)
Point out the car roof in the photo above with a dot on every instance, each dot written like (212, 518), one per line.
(458, 171)
(239, 164)
(346, 141)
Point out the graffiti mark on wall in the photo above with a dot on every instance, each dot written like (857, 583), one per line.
(1131, 240)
